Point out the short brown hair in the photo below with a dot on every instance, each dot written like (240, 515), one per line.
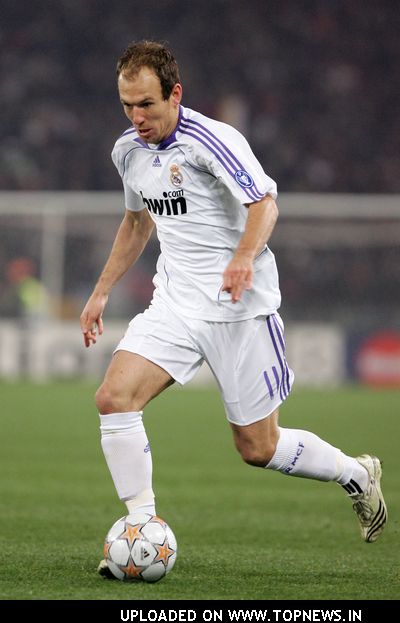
(155, 55)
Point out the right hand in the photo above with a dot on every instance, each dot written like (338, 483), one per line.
(91, 317)
(238, 276)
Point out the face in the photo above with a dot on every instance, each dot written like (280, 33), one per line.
(153, 117)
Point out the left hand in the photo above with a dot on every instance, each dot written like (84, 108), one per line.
(238, 276)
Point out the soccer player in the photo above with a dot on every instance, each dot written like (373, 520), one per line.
(216, 293)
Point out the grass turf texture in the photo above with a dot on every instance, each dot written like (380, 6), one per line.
(243, 533)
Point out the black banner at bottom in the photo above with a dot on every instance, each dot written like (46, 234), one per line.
(232, 611)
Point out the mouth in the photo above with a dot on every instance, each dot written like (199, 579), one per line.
(145, 133)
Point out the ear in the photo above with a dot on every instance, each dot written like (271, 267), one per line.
(176, 94)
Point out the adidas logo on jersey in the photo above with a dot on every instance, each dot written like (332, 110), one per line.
(157, 162)
(173, 202)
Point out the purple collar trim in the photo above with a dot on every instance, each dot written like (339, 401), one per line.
(141, 142)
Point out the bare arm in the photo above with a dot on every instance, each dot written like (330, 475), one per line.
(131, 239)
(261, 219)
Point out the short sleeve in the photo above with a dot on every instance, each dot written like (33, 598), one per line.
(133, 202)
(122, 148)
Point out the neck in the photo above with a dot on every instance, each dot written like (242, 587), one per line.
(173, 123)
(170, 137)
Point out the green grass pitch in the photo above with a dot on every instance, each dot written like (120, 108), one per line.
(243, 533)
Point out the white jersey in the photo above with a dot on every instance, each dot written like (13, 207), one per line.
(195, 185)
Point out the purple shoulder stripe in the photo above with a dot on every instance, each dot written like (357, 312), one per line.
(221, 147)
(220, 157)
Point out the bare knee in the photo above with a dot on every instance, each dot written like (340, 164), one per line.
(257, 454)
(131, 381)
(108, 400)
(257, 442)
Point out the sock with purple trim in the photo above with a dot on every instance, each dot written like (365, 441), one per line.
(303, 454)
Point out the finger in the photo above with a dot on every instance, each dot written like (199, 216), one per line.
(227, 284)
(247, 280)
(89, 337)
(244, 282)
(84, 324)
(236, 293)
(100, 325)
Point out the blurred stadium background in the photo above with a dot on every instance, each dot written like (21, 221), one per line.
(315, 88)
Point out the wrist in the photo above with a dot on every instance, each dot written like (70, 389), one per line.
(246, 254)
(101, 290)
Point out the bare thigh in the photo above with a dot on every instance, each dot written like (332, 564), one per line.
(257, 442)
(130, 382)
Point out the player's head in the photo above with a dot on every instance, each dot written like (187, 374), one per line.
(155, 56)
(149, 88)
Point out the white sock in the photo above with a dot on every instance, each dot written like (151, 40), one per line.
(127, 452)
(301, 453)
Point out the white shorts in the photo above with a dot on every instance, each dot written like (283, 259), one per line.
(246, 357)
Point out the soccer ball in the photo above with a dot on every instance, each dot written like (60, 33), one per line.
(140, 546)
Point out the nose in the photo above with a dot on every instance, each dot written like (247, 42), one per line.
(137, 116)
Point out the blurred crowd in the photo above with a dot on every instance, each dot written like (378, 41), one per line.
(315, 86)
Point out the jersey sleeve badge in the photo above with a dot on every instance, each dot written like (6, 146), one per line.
(244, 179)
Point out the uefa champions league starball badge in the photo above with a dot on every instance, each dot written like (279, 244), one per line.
(176, 176)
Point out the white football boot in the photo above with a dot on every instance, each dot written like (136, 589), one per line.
(369, 505)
